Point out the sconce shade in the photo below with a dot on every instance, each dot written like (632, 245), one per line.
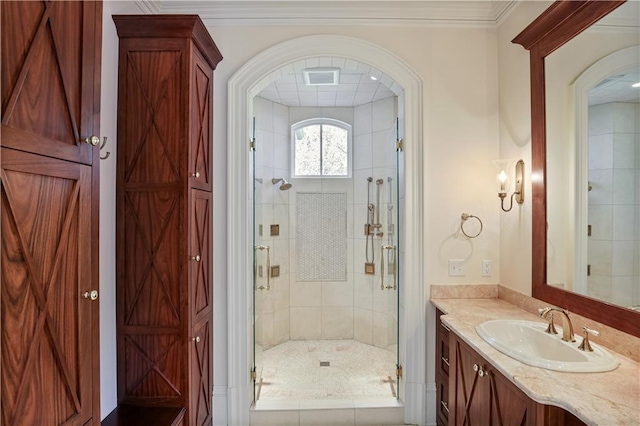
(503, 167)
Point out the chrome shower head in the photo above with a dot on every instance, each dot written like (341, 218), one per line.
(284, 186)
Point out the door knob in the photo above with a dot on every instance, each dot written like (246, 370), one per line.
(196, 339)
(196, 174)
(93, 294)
(92, 140)
(196, 258)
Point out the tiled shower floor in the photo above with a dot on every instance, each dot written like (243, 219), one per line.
(292, 371)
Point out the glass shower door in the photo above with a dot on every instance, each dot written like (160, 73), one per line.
(390, 250)
(261, 254)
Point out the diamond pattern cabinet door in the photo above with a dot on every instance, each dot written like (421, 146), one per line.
(200, 236)
(200, 123)
(50, 80)
(471, 392)
(487, 399)
(47, 339)
(149, 112)
(201, 374)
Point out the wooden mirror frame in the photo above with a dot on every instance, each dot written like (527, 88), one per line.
(562, 21)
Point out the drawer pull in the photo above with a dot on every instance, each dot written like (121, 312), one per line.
(445, 360)
(445, 406)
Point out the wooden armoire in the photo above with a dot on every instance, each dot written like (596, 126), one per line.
(164, 213)
(50, 76)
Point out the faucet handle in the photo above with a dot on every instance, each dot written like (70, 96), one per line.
(551, 328)
(585, 345)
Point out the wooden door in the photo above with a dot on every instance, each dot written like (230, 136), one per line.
(47, 342)
(201, 311)
(51, 77)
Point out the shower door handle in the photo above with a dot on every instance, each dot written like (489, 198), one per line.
(395, 268)
(255, 267)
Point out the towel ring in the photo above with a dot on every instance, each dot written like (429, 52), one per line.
(464, 217)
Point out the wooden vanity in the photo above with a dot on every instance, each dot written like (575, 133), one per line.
(478, 385)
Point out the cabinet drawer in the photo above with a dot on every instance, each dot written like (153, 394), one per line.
(443, 359)
(442, 346)
(442, 398)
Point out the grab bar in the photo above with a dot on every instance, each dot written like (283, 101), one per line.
(255, 268)
(395, 269)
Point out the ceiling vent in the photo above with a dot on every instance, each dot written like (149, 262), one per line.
(321, 76)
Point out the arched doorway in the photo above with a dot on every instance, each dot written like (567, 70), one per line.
(245, 84)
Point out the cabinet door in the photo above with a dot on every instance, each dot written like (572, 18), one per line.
(470, 392)
(47, 339)
(483, 396)
(200, 123)
(51, 77)
(200, 244)
(201, 383)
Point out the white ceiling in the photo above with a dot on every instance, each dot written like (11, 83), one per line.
(616, 88)
(355, 87)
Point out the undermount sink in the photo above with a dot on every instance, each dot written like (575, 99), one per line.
(527, 342)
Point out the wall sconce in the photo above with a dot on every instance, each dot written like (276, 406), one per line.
(503, 180)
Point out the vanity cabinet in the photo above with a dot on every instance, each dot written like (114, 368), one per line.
(471, 392)
(164, 215)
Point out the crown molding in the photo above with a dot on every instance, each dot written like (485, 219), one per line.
(340, 12)
(149, 7)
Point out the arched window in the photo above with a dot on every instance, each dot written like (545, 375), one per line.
(321, 147)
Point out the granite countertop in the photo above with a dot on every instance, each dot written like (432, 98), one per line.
(609, 398)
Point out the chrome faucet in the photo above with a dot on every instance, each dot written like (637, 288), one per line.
(567, 327)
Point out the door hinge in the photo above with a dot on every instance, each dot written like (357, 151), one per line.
(399, 145)
(588, 270)
(254, 375)
(252, 144)
(588, 230)
(398, 371)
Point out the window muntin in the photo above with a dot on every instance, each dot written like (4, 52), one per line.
(321, 148)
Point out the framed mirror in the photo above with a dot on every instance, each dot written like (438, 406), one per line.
(560, 164)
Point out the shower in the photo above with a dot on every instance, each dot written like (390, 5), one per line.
(284, 186)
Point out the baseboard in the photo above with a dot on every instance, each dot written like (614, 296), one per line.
(220, 401)
(431, 407)
(414, 403)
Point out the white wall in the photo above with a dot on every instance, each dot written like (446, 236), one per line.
(459, 68)
(515, 142)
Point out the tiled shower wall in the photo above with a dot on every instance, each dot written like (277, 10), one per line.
(614, 202)
(375, 310)
(322, 309)
(353, 309)
(272, 208)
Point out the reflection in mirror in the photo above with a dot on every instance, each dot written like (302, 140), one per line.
(613, 209)
(593, 160)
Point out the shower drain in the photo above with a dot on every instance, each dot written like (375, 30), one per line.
(324, 364)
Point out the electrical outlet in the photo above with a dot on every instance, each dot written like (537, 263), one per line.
(456, 268)
(486, 268)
